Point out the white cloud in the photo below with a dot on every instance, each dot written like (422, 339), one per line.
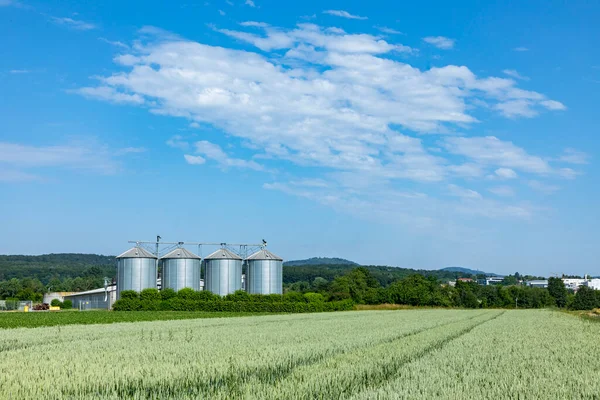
(19, 71)
(463, 193)
(441, 42)
(553, 105)
(221, 12)
(178, 142)
(11, 176)
(503, 191)
(335, 102)
(513, 73)
(110, 94)
(250, 3)
(505, 173)
(390, 31)
(130, 150)
(520, 49)
(492, 151)
(254, 24)
(115, 43)
(573, 156)
(343, 14)
(568, 173)
(194, 160)
(194, 125)
(6, 3)
(73, 24)
(543, 187)
(214, 152)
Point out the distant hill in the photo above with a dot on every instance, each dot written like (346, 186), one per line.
(61, 266)
(467, 271)
(319, 261)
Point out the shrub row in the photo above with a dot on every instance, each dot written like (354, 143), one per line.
(238, 296)
(178, 304)
(65, 305)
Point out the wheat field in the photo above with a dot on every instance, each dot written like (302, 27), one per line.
(406, 354)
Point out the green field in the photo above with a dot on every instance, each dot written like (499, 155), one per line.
(409, 354)
(36, 319)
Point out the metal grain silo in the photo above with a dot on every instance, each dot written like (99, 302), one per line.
(180, 269)
(136, 270)
(222, 272)
(264, 273)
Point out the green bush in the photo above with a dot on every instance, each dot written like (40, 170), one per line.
(179, 304)
(205, 295)
(56, 303)
(129, 294)
(67, 304)
(186, 294)
(314, 297)
(150, 295)
(293, 297)
(238, 295)
(167, 293)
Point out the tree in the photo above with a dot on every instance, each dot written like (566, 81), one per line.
(585, 299)
(556, 288)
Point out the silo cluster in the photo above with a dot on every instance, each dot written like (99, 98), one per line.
(137, 270)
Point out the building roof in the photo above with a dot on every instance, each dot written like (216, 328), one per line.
(136, 252)
(110, 288)
(264, 254)
(180, 252)
(223, 254)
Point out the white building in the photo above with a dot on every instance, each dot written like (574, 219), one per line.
(573, 283)
(541, 283)
(490, 280)
(593, 283)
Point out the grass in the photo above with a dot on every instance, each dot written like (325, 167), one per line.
(10, 320)
(411, 354)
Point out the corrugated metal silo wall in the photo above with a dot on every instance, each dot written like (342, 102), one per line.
(222, 276)
(264, 277)
(135, 274)
(179, 273)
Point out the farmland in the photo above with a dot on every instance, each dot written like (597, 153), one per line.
(409, 354)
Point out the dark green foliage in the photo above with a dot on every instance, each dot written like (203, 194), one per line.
(293, 297)
(55, 303)
(186, 293)
(33, 320)
(130, 294)
(320, 261)
(167, 293)
(558, 291)
(178, 304)
(150, 295)
(57, 266)
(67, 304)
(238, 295)
(586, 299)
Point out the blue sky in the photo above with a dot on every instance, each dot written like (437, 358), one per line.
(417, 134)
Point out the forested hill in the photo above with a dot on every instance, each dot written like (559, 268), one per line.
(60, 266)
(384, 274)
(320, 261)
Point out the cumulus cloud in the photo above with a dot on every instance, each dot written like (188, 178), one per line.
(115, 43)
(343, 14)
(505, 173)
(390, 31)
(543, 187)
(194, 160)
(441, 42)
(320, 97)
(250, 3)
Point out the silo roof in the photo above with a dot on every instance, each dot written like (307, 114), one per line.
(137, 252)
(223, 254)
(180, 253)
(264, 254)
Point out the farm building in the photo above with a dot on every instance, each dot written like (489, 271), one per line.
(490, 280)
(94, 299)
